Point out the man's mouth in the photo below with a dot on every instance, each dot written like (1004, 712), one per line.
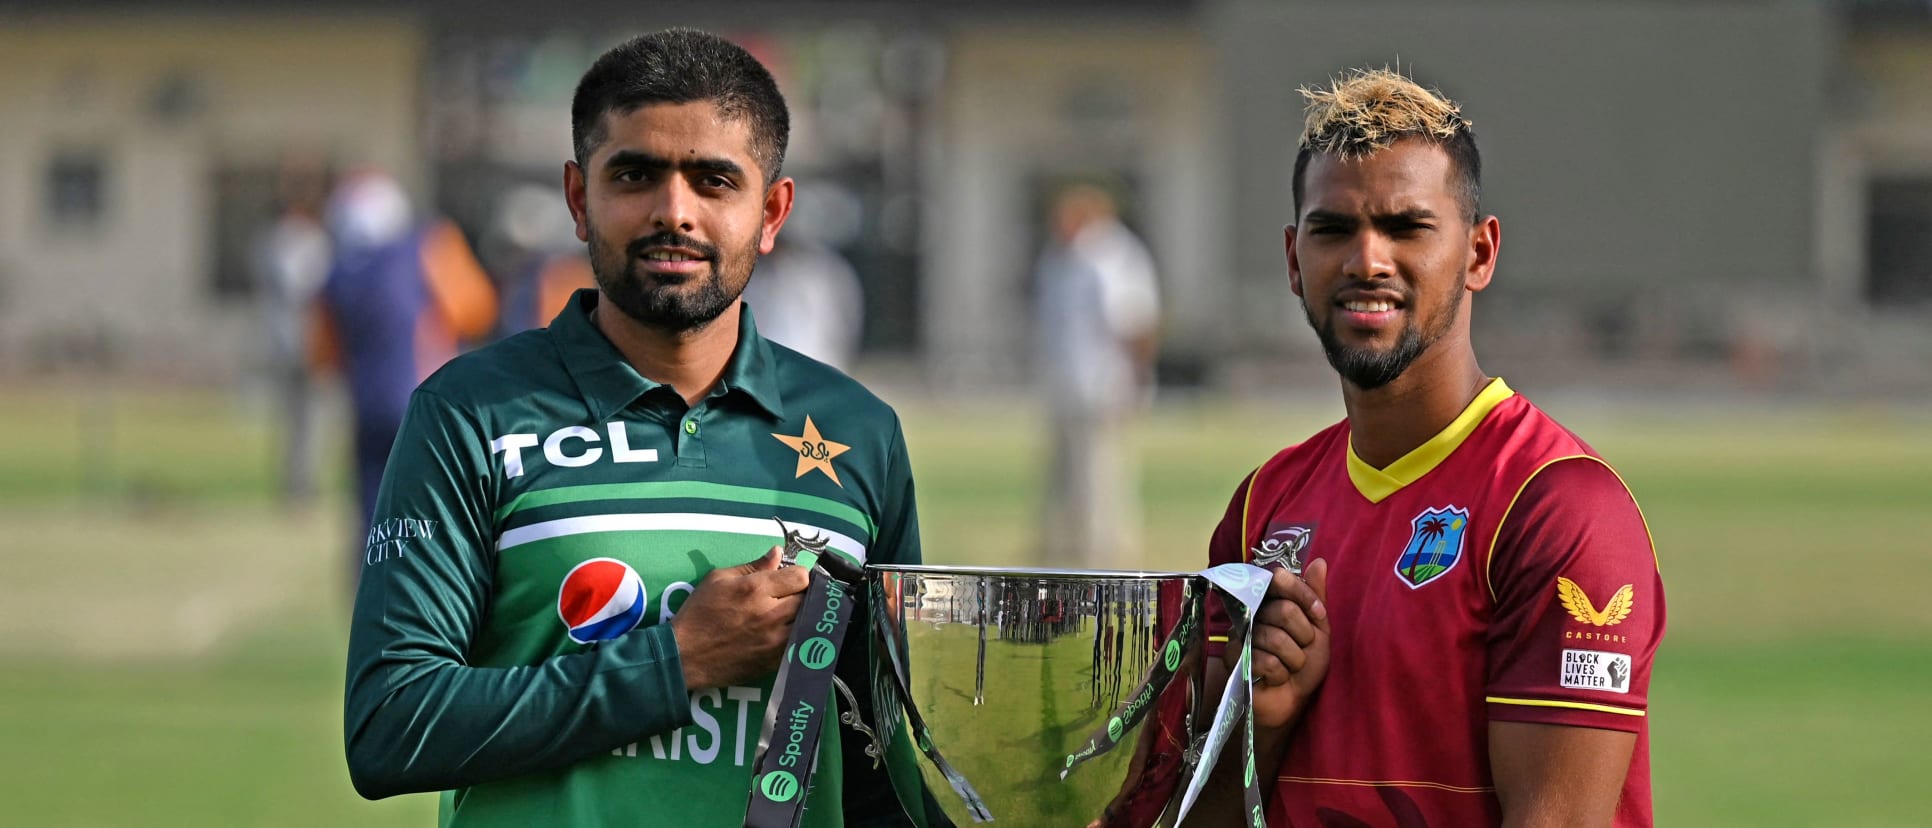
(674, 263)
(1368, 312)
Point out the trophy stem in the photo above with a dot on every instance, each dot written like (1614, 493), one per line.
(979, 670)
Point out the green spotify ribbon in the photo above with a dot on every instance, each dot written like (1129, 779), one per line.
(803, 689)
(1241, 587)
(799, 700)
(1130, 713)
(922, 735)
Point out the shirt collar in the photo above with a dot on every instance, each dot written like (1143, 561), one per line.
(753, 369)
(608, 383)
(1377, 484)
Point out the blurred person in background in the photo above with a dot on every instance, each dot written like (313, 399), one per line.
(401, 299)
(1098, 311)
(571, 611)
(807, 296)
(543, 266)
(1490, 584)
(291, 261)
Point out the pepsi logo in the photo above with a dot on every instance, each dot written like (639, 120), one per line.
(600, 599)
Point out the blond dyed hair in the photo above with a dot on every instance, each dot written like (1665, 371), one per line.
(1365, 111)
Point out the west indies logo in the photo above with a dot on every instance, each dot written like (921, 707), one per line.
(1434, 547)
(601, 599)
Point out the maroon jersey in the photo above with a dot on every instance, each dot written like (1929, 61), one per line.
(1499, 572)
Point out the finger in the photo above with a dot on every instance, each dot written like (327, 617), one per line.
(1286, 586)
(1316, 575)
(782, 582)
(1278, 645)
(764, 563)
(783, 610)
(1268, 670)
(1289, 619)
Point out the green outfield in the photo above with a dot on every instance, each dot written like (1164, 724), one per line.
(171, 644)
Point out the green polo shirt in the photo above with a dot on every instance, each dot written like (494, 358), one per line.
(544, 513)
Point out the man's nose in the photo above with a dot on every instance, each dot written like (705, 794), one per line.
(675, 207)
(1370, 257)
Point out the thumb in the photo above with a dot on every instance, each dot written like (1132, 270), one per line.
(766, 563)
(1317, 577)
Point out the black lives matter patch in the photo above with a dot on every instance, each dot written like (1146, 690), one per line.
(1596, 670)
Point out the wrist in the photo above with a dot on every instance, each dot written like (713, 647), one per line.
(1270, 744)
(692, 670)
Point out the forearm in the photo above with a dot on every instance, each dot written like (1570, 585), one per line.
(422, 726)
(1224, 800)
(1549, 775)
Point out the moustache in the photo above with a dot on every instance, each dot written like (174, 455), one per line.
(668, 238)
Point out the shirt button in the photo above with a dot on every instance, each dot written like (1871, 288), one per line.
(690, 426)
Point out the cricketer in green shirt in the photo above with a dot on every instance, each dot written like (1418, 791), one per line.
(544, 513)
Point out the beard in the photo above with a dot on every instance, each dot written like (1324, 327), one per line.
(1369, 369)
(685, 305)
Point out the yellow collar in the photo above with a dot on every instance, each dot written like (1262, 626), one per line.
(1376, 484)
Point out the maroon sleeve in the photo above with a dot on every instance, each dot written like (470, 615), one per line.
(1579, 602)
(1227, 545)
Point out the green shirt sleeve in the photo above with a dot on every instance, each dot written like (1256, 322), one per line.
(417, 716)
(898, 536)
(870, 798)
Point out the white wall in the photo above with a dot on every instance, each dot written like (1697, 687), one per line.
(144, 273)
(1006, 120)
(1883, 128)
(1659, 157)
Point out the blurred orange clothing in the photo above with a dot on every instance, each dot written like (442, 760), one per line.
(459, 304)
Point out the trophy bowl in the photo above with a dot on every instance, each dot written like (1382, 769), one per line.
(1030, 684)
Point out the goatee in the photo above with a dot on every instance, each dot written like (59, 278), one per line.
(674, 307)
(1370, 369)
(1367, 369)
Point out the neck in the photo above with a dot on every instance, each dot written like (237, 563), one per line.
(690, 361)
(1388, 422)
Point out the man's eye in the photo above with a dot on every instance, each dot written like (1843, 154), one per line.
(629, 176)
(718, 182)
(1328, 230)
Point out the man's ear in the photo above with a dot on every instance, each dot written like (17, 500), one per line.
(574, 196)
(778, 207)
(1485, 243)
(1294, 264)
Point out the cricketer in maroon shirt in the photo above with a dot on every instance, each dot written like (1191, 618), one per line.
(1501, 571)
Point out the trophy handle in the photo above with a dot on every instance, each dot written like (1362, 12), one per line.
(850, 716)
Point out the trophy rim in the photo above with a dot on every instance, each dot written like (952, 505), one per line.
(1032, 572)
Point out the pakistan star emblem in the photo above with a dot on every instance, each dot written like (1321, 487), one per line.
(814, 451)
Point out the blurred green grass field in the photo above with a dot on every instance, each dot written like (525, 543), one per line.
(172, 640)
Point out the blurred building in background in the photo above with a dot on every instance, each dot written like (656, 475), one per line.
(139, 152)
(1726, 191)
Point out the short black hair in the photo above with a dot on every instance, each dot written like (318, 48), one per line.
(1464, 159)
(678, 66)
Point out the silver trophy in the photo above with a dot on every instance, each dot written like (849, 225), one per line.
(1043, 696)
